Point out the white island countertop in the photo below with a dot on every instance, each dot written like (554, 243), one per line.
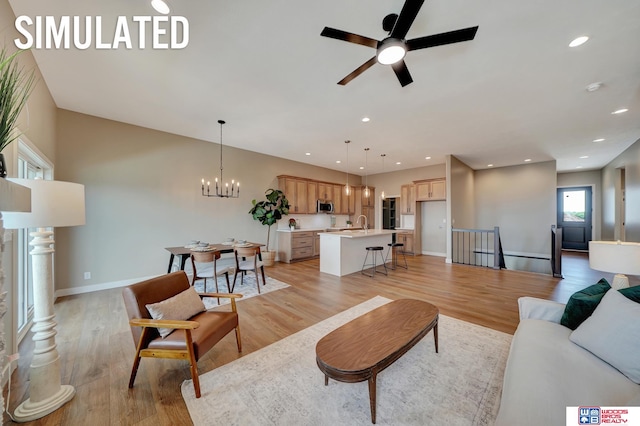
(362, 233)
(343, 253)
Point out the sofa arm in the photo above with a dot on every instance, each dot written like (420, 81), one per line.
(534, 308)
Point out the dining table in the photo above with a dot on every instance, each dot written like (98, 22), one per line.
(184, 252)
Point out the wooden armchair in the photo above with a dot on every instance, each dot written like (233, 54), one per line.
(190, 339)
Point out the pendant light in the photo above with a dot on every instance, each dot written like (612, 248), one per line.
(235, 186)
(382, 193)
(347, 188)
(366, 187)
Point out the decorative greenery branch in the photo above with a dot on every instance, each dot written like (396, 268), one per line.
(15, 87)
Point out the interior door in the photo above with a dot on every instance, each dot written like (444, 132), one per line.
(574, 217)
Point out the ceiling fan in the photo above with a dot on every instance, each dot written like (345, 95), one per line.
(392, 50)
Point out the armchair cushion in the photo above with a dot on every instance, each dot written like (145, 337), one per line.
(182, 306)
(542, 309)
(582, 304)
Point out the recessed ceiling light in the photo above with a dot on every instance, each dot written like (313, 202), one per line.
(361, 167)
(307, 153)
(489, 165)
(427, 158)
(338, 161)
(599, 140)
(620, 111)
(398, 163)
(365, 119)
(527, 160)
(594, 86)
(578, 41)
(584, 156)
(578, 167)
(160, 6)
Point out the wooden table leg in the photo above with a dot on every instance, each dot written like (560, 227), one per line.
(326, 380)
(435, 336)
(372, 397)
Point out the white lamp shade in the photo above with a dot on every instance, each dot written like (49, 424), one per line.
(615, 256)
(53, 203)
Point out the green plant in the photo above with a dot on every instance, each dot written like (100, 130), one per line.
(269, 211)
(15, 87)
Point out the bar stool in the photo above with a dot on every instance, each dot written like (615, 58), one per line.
(393, 249)
(373, 250)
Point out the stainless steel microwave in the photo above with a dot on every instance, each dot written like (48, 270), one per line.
(325, 206)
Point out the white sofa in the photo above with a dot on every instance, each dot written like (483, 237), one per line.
(547, 372)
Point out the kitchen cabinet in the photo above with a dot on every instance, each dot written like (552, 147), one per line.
(406, 238)
(408, 199)
(301, 193)
(369, 201)
(316, 243)
(349, 201)
(431, 190)
(325, 191)
(296, 245)
(338, 206)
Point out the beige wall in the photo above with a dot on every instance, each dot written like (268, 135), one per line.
(629, 160)
(462, 194)
(521, 200)
(143, 194)
(37, 122)
(592, 178)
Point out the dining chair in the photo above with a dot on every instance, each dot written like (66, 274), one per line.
(199, 261)
(248, 259)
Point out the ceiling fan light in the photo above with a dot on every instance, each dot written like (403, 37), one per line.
(391, 51)
(160, 6)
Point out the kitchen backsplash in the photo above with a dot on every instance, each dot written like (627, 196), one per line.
(313, 221)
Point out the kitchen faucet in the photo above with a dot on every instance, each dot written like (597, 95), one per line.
(365, 222)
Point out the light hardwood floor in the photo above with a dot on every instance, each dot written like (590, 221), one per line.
(96, 347)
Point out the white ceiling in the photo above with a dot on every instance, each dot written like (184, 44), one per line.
(517, 91)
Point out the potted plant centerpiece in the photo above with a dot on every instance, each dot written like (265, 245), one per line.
(15, 88)
(268, 212)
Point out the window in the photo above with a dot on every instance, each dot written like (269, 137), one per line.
(31, 165)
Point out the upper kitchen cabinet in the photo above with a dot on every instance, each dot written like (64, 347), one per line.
(297, 192)
(369, 201)
(408, 199)
(431, 190)
(325, 191)
(340, 202)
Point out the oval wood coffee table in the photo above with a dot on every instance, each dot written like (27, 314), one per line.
(362, 348)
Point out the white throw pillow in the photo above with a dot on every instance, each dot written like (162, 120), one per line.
(182, 306)
(612, 333)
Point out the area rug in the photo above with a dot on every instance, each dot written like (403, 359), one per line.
(282, 385)
(247, 289)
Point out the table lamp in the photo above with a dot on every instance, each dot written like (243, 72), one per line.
(616, 257)
(53, 204)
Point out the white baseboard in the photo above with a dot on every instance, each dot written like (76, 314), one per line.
(98, 287)
(433, 253)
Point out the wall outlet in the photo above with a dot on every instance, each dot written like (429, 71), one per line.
(87, 275)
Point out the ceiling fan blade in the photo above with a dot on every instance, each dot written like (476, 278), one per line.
(402, 72)
(350, 37)
(450, 37)
(405, 19)
(362, 68)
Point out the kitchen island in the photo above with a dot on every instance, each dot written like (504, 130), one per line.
(343, 253)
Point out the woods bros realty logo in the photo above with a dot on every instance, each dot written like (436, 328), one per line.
(66, 32)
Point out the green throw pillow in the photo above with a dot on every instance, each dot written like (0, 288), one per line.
(632, 293)
(582, 303)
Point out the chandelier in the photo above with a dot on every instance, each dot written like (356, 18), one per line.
(223, 192)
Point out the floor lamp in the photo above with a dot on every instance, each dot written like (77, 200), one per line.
(617, 257)
(53, 204)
